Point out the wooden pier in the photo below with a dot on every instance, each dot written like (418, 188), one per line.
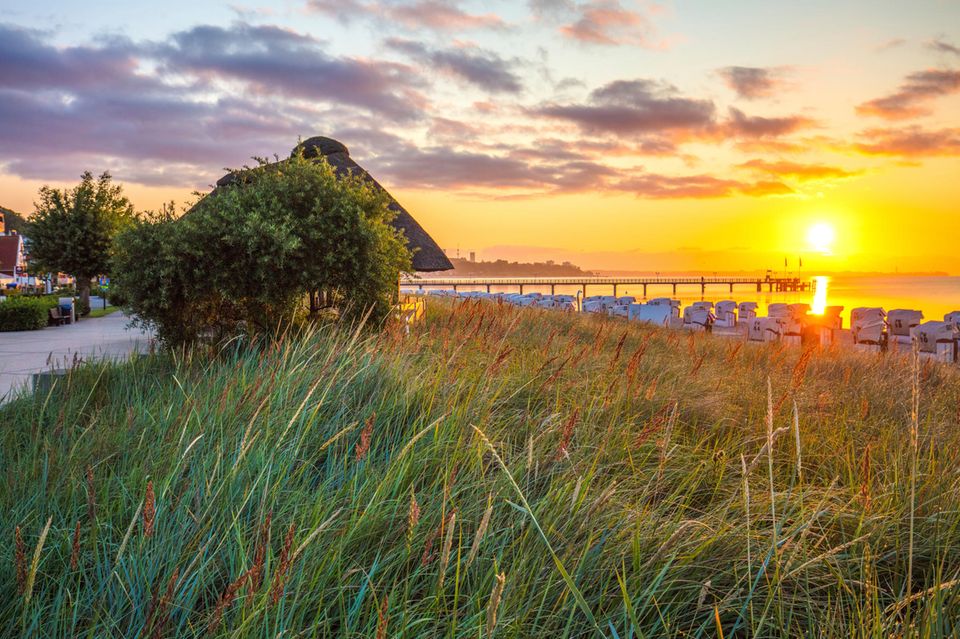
(772, 284)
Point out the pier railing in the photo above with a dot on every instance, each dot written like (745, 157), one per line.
(773, 284)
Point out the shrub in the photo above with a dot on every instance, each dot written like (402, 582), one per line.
(23, 313)
(246, 256)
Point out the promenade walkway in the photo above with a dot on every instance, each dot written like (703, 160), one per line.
(24, 353)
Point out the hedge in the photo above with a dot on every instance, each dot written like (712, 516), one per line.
(23, 313)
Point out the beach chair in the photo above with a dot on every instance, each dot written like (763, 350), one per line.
(658, 314)
(953, 318)
(899, 324)
(726, 314)
(673, 304)
(867, 326)
(764, 329)
(746, 311)
(696, 319)
(937, 340)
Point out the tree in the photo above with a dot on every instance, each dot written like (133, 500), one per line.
(72, 231)
(246, 257)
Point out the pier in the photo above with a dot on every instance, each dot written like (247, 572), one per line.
(773, 284)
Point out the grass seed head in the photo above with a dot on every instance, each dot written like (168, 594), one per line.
(149, 511)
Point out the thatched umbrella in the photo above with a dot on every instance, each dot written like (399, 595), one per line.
(427, 256)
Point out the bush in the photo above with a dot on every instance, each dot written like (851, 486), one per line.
(23, 313)
(244, 259)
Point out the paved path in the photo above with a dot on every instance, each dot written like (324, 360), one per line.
(23, 353)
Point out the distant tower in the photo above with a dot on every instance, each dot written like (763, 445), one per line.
(473, 256)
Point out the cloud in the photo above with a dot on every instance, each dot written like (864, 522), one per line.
(607, 22)
(274, 60)
(796, 170)
(910, 142)
(420, 14)
(751, 83)
(911, 99)
(702, 186)
(165, 112)
(629, 107)
(745, 126)
(942, 46)
(473, 65)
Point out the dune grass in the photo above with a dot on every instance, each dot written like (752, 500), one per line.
(495, 472)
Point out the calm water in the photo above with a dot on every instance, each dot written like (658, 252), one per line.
(935, 296)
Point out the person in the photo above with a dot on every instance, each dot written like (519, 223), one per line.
(711, 318)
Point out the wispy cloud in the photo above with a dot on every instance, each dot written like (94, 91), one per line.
(942, 46)
(746, 126)
(910, 142)
(474, 65)
(913, 97)
(796, 170)
(630, 107)
(420, 14)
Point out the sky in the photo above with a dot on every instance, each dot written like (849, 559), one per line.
(618, 134)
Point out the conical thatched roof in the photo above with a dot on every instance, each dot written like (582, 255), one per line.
(427, 256)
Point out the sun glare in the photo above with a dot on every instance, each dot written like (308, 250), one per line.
(821, 237)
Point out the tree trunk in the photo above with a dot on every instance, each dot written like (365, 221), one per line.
(83, 290)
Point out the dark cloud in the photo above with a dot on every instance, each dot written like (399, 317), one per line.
(910, 142)
(627, 107)
(744, 126)
(429, 14)
(911, 99)
(157, 113)
(753, 82)
(796, 170)
(278, 61)
(479, 67)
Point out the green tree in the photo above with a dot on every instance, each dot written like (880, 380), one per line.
(247, 256)
(72, 231)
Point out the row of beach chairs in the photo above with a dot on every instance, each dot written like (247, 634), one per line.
(872, 329)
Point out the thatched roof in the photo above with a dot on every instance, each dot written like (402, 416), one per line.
(427, 256)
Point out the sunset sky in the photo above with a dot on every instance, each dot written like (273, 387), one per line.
(620, 135)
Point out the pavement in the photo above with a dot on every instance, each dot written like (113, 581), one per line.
(23, 353)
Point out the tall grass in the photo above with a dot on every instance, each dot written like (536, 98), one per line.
(495, 472)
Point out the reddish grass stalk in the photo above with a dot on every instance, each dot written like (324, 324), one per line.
(365, 435)
(159, 615)
(75, 550)
(226, 600)
(149, 511)
(20, 559)
(865, 496)
(383, 618)
(259, 555)
(567, 435)
(280, 576)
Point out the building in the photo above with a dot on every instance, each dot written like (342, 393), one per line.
(13, 260)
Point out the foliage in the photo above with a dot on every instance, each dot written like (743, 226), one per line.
(246, 256)
(72, 231)
(623, 445)
(25, 313)
(14, 221)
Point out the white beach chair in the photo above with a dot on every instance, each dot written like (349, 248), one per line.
(953, 318)
(867, 326)
(764, 329)
(937, 340)
(900, 322)
(746, 311)
(658, 314)
(696, 319)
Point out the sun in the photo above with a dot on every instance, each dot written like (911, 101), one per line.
(821, 237)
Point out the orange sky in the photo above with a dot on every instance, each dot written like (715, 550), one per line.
(618, 134)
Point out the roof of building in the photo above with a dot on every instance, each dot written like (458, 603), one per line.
(427, 255)
(9, 254)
